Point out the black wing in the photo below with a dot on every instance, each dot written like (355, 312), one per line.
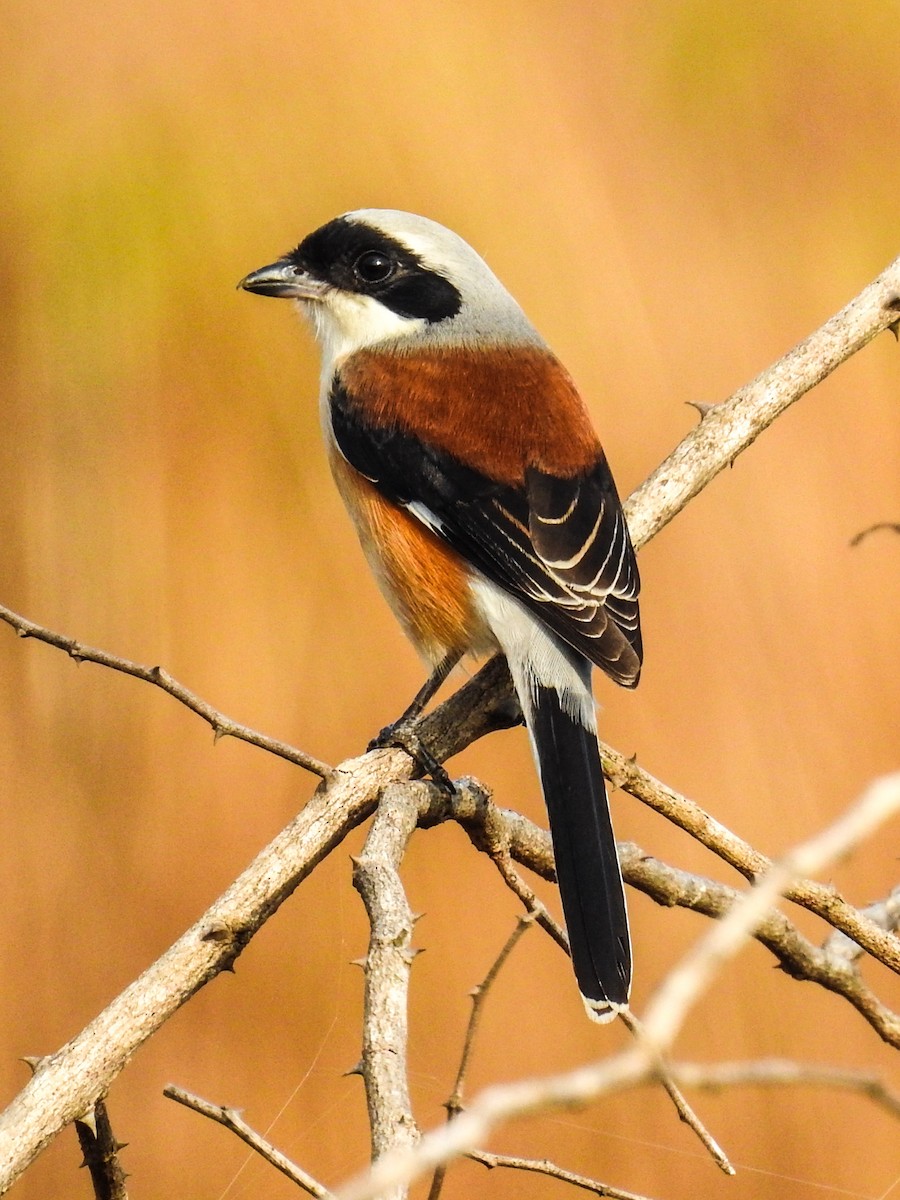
(560, 546)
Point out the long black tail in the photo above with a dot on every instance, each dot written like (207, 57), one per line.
(587, 866)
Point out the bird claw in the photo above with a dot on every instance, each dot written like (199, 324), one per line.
(404, 735)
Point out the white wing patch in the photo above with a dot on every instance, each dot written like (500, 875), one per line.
(424, 514)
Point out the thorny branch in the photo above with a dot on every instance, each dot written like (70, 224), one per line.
(387, 966)
(729, 428)
(552, 1171)
(818, 898)
(664, 1017)
(864, 533)
(222, 726)
(100, 1148)
(797, 955)
(776, 1072)
(885, 914)
(684, 1110)
(232, 1120)
(68, 1083)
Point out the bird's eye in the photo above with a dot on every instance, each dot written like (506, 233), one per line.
(373, 267)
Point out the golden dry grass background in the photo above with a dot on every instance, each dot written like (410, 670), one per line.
(676, 192)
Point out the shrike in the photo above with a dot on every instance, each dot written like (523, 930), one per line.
(487, 511)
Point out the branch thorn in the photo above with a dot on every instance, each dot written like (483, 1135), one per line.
(703, 409)
(218, 933)
(893, 305)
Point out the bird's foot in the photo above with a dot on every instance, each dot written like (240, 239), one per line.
(405, 735)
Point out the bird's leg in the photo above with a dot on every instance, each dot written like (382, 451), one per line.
(403, 733)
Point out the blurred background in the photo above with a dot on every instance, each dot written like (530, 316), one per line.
(677, 192)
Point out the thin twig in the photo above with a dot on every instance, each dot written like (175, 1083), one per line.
(864, 533)
(489, 829)
(222, 726)
(777, 1072)
(543, 1166)
(729, 428)
(884, 913)
(479, 995)
(532, 902)
(100, 1149)
(684, 1110)
(232, 1120)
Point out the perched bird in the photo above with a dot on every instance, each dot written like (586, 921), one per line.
(487, 511)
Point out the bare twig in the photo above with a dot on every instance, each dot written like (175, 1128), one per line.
(544, 1167)
(885, 914)
(533, 904)
(479, 994)
(222, 726)
(731, 427)
(684, 1110)
(864, 533)
(777, 1072)
(232, 1120)
(101, 1154)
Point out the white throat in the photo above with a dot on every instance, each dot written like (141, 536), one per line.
(345, 322)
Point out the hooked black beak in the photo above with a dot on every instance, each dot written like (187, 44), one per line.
(283, 278)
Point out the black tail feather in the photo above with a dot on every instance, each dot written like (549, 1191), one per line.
(587, 866)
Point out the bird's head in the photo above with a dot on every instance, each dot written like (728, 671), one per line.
(377, 275)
